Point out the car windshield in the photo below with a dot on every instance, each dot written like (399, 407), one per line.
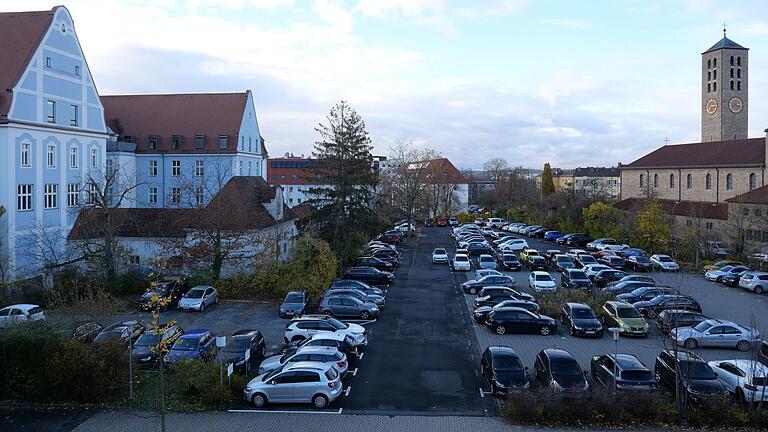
(185, 344)
(543, 278)
(147, 339)
(587, 259)
(462, 258)
(565, 367)
(270, 375)
(583, 313)
(440, 252)
(702, 326)
(195, 293)
(237, 344)
(560, 258)
(696, 370)
(507, 363)
(628, 312)
(294, 298)
(639, 291)
(643, 259)
(337, 324)
(159, 290)
(664, 258)
(486, 258)
(578, 275)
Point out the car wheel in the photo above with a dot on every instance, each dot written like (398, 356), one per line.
(319, 401)
(719, 279)
(690, 344)
(328, 313)
(657, 376)
(259, 400)
(544, 331)
(500, 330)
(202, 307)
(743, 346)
(473, 290)
(365, 315)
(758, 289)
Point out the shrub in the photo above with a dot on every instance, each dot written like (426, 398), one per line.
(551, 303)
(89, 373)
(25, 353)
(196, 384)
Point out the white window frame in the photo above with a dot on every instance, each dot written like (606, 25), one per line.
(153, 195)
(249, 167)
(74, 115)
(73, 194)
(25, 157)
(152, 168)
(93, 193)
(198, 195)
(94, 158)
(50, 111)
(176, 195)
(199, 168)
(74, 157)
(175, 168)
(24, 201)
(50, 196)
(51, 155)
(239, 168)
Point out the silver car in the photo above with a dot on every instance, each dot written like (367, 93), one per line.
(485, 261)
(716, 333)
(198, 298)
(356, 293)
(754, 281)
(302, 382)
(330, 356)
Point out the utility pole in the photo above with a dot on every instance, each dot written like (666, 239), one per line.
(130, 359)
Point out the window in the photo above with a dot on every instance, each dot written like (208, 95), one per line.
(655, 180)
(729, 181)
(709, 76)
(24, 197)
(240, 168)
(73, 158)
(290, 200)
(153, 195)
(642, 180)
(689, 181)
(152, 142)
(758, 212)
(731, 72)
(176, 142)
(73, 195)
(709, 63)
(298, 200)
(199, 142)
(745, 211)
(709, 226)
(752, 181)
(51, 156)
(51, 111)
(249, 167)
(242, 143)
(714, 62)
(50, 194)
(93, 193)
(176, 195)
(671, 181)
(73, 117)
(714, 86)
(199, 168)
(732, 60)
(25, 150)
(714, 74)
(688, 223)
(732, 86)
(176, 168)
(94, 158)
(249, 143)
(738, 61)
(110, 168)
(198, 195)
(708, 181)
(709, 87)
(749, 234)
(77, 70)
(47, 62)
(223, 141)
(738, 86)
(153, 168)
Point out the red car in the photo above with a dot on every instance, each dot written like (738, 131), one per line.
(442, 222)
(390, 238)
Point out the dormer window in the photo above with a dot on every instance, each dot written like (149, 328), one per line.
(223, 141)
(77, 70)
(176, 142)
(199, 142)
(47, 62)
(152, 142)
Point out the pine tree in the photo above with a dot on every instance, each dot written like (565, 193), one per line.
(343, 180)
(547, 183)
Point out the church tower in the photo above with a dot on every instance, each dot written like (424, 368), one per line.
(724, 91)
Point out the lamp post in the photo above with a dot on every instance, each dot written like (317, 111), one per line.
(616, 331)
(130, 358)
(221, 342)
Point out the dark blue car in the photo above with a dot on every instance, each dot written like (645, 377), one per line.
(553, 235)
(194, 344)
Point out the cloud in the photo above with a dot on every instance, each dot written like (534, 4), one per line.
(566, 22)
(387, 8)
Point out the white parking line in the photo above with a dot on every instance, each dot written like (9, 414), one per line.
(354, 372)
(285, 411)
(360, 356)
(482, 393)
(346, 393)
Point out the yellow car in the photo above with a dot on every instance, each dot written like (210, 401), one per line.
(624, 316)
(720, 264)
(526, 253)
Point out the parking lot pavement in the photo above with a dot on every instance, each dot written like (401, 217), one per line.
(717, 301)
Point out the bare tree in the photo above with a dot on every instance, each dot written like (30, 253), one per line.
(407, 183)
(496, 169)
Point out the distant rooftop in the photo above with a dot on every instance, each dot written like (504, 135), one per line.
(725, 43)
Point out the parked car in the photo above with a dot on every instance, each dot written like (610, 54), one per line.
(575, 279)
(593, 245)
(635, 278)
(717, 275)
(638, 263)
(198, 298)
(625, 317)
(519, 320)
(304, 382)
(429, 222)
(563, 240)
(390, 238)
(294, 303)
(19, 313)
(306, 326)
(481, 273)
(509, 261)
(562, 262)
(514, 245)
(496, 290)
(356, 284)
(124, 332)
(341, 342)
(364, 297)
(645, 294)
(371, 261)
(492, 299)
(481, 313)
(593, 269)
(541, 281)
(716, 333)
(697, 379)
(552, 235)
(502, 368)
(612, 261)
(145, 352)
(369, 275)
(673, 318)
(581, 320)
(624, 371)
(81, 331)
(732, 279)
(746, 380)
(626, 287)
(652, 308)
(577, 240)
(462, 263)
(486, 262)
(193, 344)
(439, 256)
(584, 260)
(536, 263)
(326, 355)
(603, 277)
(453, 222)
(560, 372)
(754, 281)
(238, 344)
(475, 249)
(475, 285)
(720, 264)
(664, 263)
(166, 293)
(527, 253)
(346, 306)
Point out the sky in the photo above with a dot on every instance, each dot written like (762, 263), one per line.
(572, 83)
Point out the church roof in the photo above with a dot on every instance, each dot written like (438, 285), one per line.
(755, 196)
(733, 153)
(702, 209)
(725, 43)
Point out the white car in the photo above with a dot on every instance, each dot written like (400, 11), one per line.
(612, 247)
(406, 227)
(462, 262)
(495, 222)
(462, 251)
(198, 298)
(19, 313)
(745, 379)
(306, 326)
(439, 256)
(541, 281)
(574, 253)
(330, 356)
(487, 230)
(592, 270)
(514, 245)
(664, 263)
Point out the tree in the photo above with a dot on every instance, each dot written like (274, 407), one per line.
(547, 182)
(496, 168)
(407, 183)
(343, 180)
(652, 232)
(602, 220)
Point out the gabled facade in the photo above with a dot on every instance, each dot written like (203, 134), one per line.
(52, 134)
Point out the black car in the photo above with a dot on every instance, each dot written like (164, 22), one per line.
(550, 254)
(562, 262)
(239, 343)
(369, 275)
(577, 240)
(295, 303)
(387, 255)
(479, 249)
(519, 320)
(645, 293)
(604, 277)
(475, 285)
(575, 279)
(536, 262)
(481, 313)
(698, 380)
(583, 260)
(732, 279)
(612, 261)
(652, 308)
(638, 263)
(624, 371)
(502, 368)
(167, 293)
(501, 290)
(493, 299)
(81, 331)
(145, 351)
(563, 240)
(121, 332)
(673, 318)
(626, 287)
(356, 284)
(558, 370)
(580, 320)
(509, 261)
(429, 222)
(538, 232)
(345, 345)
(370, 261)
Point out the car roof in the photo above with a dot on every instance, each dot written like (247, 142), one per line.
(307, 365)
(296, 292)
(750, 366)
(684, 355)
(619, 304)
(486, 256)
(628, 361)
(245, 333)
(195, 333)
(22, 306)
(539, 273)
(715, 321)
(329, 335)
(500, 349)
(573, 270)
(314, 349)
(310, 317)
(201, 287)
(578, 306)
(557, 353)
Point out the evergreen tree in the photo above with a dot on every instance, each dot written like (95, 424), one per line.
(547, 183)
(343, 180)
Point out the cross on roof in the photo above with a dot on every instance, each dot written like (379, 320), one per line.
(724, 28)
(666, 140)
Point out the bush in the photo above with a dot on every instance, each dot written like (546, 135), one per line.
(551, 303)
(196, 384)
(89, 373)
(25, 353)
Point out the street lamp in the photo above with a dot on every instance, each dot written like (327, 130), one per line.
(130, 358)
(616, 331)
(221, 342)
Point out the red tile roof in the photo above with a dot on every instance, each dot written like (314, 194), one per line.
(734, 153)
(706, 210)
(755, 196)
(165, 115)
(20, 35)
(444, 166)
